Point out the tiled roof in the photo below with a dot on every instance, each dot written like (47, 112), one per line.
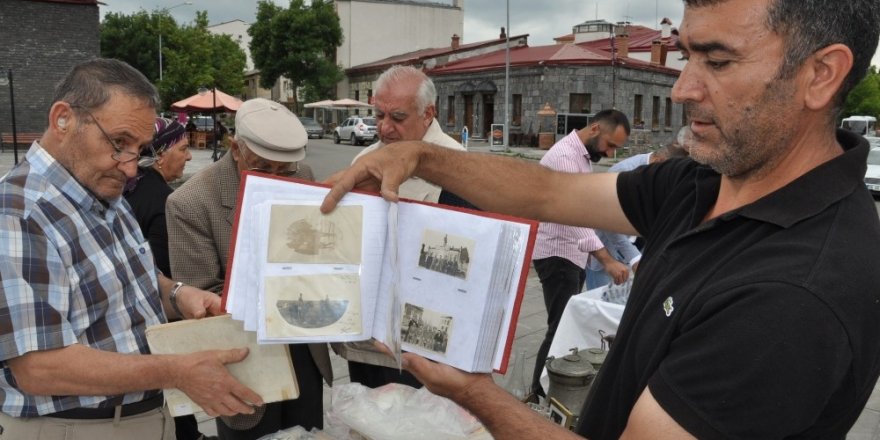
(552, 55)
(640, 39)
(423, 54)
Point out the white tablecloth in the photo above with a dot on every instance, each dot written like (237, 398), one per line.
(581, 321)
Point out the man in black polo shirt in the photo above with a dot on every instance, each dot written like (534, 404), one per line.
(757, 304)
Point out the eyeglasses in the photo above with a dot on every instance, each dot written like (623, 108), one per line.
(290, 170)
(119, 154)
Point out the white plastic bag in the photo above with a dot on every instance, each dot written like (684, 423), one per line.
(400, 412)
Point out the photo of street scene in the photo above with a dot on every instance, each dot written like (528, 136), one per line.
(426, 328)
(302, 234)
(309, 305)
(445, 253)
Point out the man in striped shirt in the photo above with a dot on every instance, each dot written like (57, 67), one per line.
(561, 251)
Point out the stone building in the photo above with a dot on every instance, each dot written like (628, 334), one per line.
(42, 39)
(573, 78)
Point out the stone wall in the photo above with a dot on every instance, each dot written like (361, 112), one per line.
(40, 42)
(607, 87)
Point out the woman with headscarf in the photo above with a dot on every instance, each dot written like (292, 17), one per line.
(161, 162)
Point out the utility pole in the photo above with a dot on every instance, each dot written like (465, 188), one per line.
(164, 10)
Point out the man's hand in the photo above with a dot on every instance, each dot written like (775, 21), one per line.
(441, 379)
(204, 378)
(618, 271)
(383, 171)
(196, 303)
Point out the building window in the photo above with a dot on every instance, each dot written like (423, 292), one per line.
(668, 115)
(517, 110)
(357, 97)
(637, 112)
(655, 113)
(450, 110)
(370, 101)
(579, 102)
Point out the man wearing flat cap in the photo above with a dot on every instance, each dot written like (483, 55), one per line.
(270, 139)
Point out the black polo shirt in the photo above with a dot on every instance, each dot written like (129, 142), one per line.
(761, 323)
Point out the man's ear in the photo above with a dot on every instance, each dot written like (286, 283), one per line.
(825, 71)
(430, 112)
(60, 118)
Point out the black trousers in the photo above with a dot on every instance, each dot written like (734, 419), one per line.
(374, 376)
(560, 280)
(306, 411)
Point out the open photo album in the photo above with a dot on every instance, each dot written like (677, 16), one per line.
(442, 282)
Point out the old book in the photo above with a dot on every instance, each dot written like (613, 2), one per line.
(442, 282)
(267, 369)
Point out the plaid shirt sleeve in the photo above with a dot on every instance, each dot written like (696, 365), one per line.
(35, 285)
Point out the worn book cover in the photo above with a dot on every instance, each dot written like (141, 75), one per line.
(267, 369)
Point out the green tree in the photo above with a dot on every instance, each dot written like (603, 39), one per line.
(192, 57)
(864, 98)
(299, 43)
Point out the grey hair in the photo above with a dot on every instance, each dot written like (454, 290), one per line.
(90, 84)
(809, 25)
(425, 95)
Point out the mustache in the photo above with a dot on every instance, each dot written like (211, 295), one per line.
(695, 113)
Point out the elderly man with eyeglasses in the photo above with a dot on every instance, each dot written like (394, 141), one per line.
(79, 285)
(269, 139)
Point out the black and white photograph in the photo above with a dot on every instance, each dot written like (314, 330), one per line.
(301, 234)
(446, 253)
(312, 305)
(425, 328)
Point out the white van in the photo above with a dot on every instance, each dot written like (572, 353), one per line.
(863, 125)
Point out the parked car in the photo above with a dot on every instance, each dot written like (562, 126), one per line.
(357, 129)
(203, 123)
(313, 129)
(872, 175)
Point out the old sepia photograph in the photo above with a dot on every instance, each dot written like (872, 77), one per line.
(446, 253)
(312, 305)
(425, 328)
(302, 234)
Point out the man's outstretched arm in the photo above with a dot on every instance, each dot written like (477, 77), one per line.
(491, 182)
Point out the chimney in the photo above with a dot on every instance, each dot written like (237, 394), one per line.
(455, 41)
(658, 52)
(503, 34)
(621, 45)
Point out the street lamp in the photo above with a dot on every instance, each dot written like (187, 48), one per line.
(160, 33)
(7, 80)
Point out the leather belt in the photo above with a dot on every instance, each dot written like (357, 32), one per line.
(129, 409)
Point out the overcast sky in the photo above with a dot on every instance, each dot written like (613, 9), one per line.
(483, 19)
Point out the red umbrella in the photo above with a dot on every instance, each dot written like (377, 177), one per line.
(206, 102)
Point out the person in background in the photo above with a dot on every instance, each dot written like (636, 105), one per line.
(755, 313)
(80, 285)
(619, 246)
(161, 162)
(268, 139)
(561, 250)
(404, 108)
